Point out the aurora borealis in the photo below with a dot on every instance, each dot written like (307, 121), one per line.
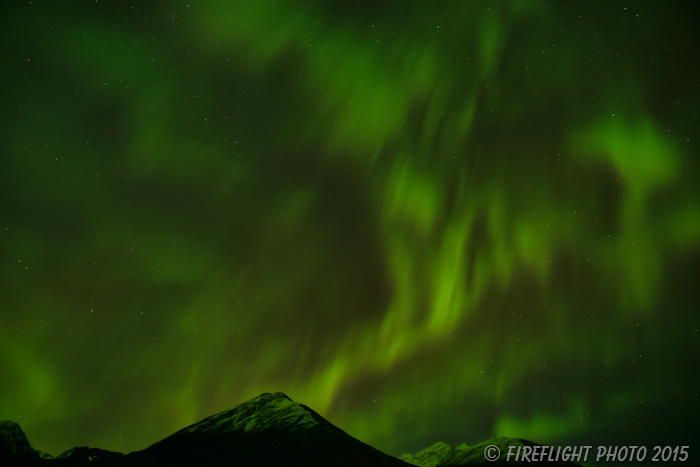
(427, 222)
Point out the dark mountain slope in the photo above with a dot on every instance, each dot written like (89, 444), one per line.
(14, 445)
(268, 430)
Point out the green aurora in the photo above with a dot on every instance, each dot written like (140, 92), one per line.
(428, 222)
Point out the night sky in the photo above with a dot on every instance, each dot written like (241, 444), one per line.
(426, 221)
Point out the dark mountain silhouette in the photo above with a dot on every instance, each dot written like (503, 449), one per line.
(14, 445)
(464, 455)
(88, 456)
(269, 430)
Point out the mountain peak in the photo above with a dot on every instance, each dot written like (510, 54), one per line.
(274, 395)
(270, 429)
(8, 424)
(434, 455)
(267, 411)
(14, 443)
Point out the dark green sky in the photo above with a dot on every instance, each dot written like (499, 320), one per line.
(427, 222)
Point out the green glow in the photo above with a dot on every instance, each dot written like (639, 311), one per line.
(426, 224)
(545, 427)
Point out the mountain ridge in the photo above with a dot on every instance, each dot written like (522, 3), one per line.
(14, 444)
(270, 429)
(464, 455)
(267, 430)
